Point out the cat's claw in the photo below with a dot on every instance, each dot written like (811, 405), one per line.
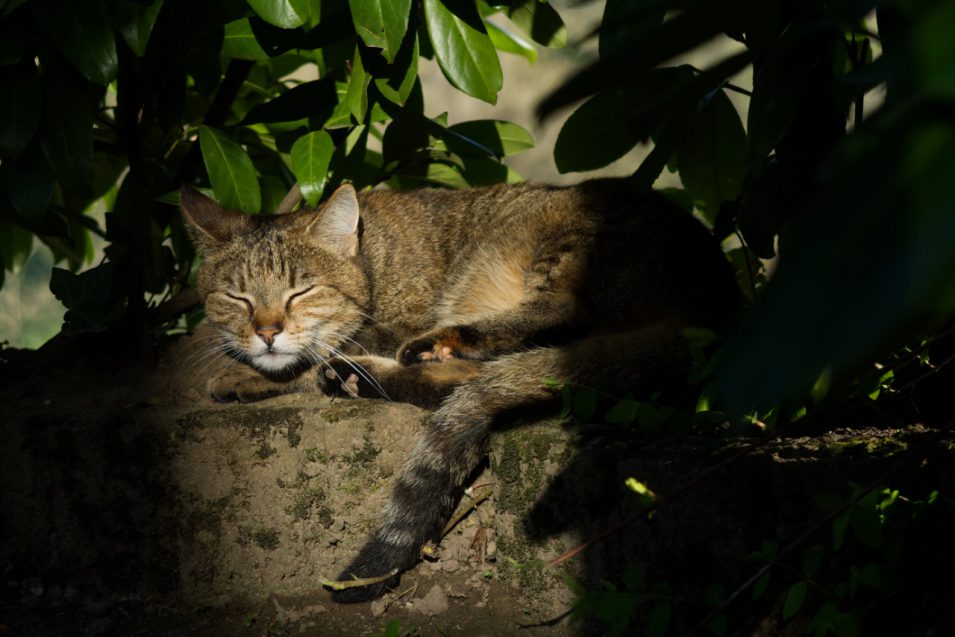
(433, 348)
(347, 385)
(437, 354)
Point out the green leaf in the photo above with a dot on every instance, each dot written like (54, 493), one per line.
(624, 412)
(487, 137)
(759, 589)
(463, 49)
(658, 619)
(230, 170)
(311, 154)
(20, 106)
(613, 121)
(28, 182)
(585, 403)
(15, 247)
(507, 42)
(357, 96)
(839, 527)
(84, 295)
(783, 77)
(84, 34)
(67, 133)
(540, 21)
(596, 134)
(381, 24)
(567, 400)
(867, 526)
(794, 599)
(626, 22)
(240, 43)
(484, 171)
(137, 19)
(396, 81)
(712, 155)
(13, 34)
(279, 13)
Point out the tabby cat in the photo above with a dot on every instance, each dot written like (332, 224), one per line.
(461, 301)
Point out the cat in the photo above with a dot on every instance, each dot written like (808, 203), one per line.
(460, 301)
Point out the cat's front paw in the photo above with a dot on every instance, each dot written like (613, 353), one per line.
(357, 377)
(437, 346)
(242, 384)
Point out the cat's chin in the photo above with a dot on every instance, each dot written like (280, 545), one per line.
(275, 363)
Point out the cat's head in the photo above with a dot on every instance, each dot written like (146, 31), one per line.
(285, 290)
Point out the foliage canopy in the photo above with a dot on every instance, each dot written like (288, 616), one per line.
(118, 102)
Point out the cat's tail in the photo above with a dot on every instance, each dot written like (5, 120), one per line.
(455, 444)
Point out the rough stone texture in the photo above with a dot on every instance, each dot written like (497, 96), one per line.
(153, 501)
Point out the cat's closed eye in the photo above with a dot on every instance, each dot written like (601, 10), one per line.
(298, 294)
(242, 299)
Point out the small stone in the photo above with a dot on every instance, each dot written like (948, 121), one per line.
(450, 566)
(378, 607)
(434, 603)
(491, 551)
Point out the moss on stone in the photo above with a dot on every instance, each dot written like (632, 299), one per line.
(266, 538)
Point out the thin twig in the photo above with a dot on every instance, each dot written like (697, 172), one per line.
(291, 200)
(356, 582)
(463, 512)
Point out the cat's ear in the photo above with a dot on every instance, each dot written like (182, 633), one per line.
(337, 221)
(208, 223)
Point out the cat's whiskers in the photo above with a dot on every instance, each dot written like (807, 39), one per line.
(351, 340)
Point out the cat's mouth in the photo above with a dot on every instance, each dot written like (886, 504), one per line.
(273, 361)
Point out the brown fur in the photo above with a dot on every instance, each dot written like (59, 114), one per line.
(462, 300)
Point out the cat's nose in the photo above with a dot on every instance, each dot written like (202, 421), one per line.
(268, 333)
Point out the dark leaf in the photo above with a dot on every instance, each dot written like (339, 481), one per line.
(67, 133)
(84, 296)
(13, 34)
(276, 41)
(712, 154)
(540, 21)
(136, 19)
(842, 296)
(585, 404)
(28, 182)
(487, 137)
(312, 99)
(627, 23)
(684, 32)
(658, 619)
(20, 106)
(84, 34)
(15, 246)
(794, 599)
